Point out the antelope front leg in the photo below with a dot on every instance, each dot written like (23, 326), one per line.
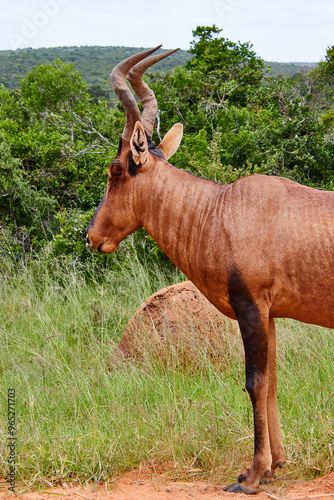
(256, 352)
(254, 327)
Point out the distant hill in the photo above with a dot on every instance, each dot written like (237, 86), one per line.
(95, 63)
(289, 69)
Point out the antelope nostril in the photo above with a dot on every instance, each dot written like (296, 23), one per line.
(88, 239)
(99, 248)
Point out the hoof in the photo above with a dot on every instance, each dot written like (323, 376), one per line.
(276, 465)
(267, 478)
(239, 488)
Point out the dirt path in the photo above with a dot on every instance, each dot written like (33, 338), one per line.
(142, 484)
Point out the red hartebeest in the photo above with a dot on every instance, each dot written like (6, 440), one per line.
(258, 249)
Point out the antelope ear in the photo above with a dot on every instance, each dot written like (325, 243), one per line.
(138, 144)
(171, 141)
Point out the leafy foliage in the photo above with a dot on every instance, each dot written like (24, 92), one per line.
(224, 61)
(330, 60)
(47, 129)
(22, 207)
(238, 122)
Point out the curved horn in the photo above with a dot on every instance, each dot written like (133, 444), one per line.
(145, 94)
(124, 94)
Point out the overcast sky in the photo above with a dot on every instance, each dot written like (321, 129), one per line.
(280, 30)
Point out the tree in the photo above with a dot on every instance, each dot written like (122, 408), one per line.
(223, 61)
(59, 141)
(330, 60)
(238, 122)
(54, 87)
(24, 211)
(220, 73)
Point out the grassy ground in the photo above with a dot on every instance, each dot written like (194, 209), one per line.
(76, 420)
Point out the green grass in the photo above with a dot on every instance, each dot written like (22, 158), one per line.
(59, 324)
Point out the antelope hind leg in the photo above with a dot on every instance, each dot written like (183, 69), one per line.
(275, 435)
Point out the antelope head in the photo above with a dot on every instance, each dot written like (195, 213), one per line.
(117, 214)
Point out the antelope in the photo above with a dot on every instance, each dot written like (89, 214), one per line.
(258, 249)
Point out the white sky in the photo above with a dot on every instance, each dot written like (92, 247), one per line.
(280, 30)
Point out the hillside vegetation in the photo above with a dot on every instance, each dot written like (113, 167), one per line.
(94, 63)
(289, 69)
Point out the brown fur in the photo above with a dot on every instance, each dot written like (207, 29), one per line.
(258, 249)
